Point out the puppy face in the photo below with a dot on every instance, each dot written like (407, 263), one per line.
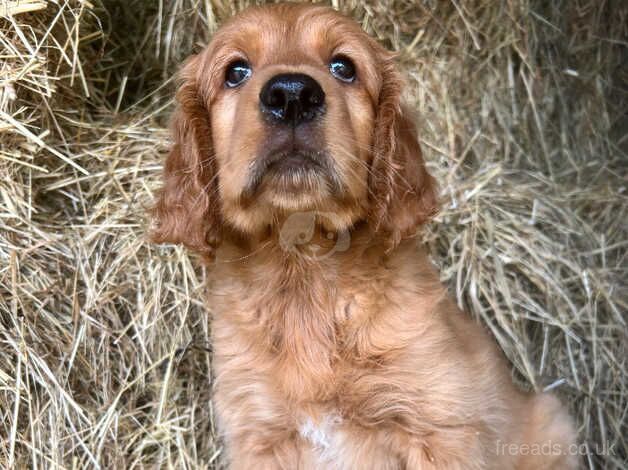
(293, 105)
(291, 108)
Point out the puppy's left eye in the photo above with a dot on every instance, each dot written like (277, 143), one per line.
(237, 73)
(342, 68)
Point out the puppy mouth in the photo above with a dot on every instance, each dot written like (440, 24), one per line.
(292, 171)
(294, 162)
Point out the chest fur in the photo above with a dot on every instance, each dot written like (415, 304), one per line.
(324, 435)
(311, 325)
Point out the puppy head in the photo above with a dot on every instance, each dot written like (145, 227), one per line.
(291, 108)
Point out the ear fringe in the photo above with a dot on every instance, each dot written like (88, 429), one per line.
(403, 194)
(384, 145)
(187, 210)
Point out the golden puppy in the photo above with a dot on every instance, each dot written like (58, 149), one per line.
(297, 174)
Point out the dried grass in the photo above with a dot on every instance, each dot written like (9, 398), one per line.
(104, 341)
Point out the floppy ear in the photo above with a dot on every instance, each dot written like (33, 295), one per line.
(188, 206)
(403, 194)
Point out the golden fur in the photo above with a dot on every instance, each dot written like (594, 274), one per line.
(342, 350)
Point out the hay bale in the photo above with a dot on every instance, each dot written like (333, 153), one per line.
(104, 341)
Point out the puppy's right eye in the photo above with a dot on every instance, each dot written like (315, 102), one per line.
(237, 73)
(342, 68)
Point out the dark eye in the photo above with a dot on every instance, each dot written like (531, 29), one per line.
(237, 73)
(342, 68)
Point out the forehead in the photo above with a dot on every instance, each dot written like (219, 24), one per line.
(289, 33)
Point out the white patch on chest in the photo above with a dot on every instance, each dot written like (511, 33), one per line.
(323, 435)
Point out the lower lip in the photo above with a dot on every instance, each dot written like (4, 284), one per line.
(294, 163)
(293, 173)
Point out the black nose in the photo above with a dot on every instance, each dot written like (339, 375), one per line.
(292, 98)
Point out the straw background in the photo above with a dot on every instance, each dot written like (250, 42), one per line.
(104, 339)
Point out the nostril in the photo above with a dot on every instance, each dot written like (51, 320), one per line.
(315, 99)
(305, 95)
(312, 97)
(277, 98)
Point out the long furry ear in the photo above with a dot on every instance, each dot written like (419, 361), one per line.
(188, 210)
(403, 194)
